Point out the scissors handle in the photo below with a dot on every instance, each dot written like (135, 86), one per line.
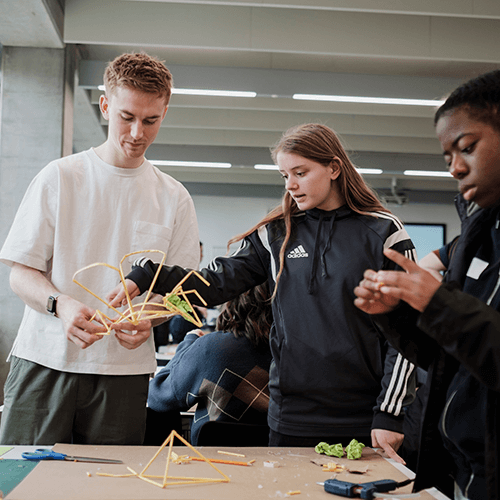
(43, 454)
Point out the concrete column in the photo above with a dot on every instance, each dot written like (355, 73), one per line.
(33, 106)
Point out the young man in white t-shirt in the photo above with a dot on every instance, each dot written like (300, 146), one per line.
(67, 383)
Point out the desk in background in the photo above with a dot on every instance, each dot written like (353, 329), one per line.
(56, 480)
(164, 355)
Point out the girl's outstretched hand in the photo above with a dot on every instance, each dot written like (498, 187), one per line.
(117, 298)
(380, 292)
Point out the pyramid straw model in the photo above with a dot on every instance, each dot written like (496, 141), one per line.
(172, 480)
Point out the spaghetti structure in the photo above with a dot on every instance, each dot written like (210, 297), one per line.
(172, 480)
(173, 303)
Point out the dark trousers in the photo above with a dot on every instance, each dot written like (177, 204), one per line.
(278, 439)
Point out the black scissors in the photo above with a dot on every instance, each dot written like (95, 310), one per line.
(44, 454)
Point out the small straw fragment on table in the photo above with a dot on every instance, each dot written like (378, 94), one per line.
(231, 453)
(219, 461)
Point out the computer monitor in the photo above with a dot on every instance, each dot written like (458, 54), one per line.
(426, 237)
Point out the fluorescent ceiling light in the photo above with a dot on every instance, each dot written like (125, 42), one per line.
(209, 164)
(427, 173)
(217, 93)
(373, 171)
(309, 97)
(261, 166)
(367, 100)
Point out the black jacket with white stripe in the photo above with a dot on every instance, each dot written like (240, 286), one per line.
(332, 373)
(457, 339)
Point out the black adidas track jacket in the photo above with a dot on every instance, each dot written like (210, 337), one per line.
(332, 373)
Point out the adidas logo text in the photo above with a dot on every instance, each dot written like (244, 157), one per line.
(297, 253)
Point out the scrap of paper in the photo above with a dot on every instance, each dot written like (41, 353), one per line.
(4, 449)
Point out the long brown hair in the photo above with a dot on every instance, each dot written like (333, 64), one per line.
(248, 315)
(321, 144)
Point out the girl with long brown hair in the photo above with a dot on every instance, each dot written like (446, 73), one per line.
(332, 377)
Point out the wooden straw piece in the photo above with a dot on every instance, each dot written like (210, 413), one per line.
(220, 461)
(92, 293)
(122, 276)
(189, 480)
(231, 453)
(156, 454)
(168, 463)
(182, 480)
(187, 276)
(202, 300)
(101, 317)
(195, 318)
(147, 313)
(114, 475)
(145, 478)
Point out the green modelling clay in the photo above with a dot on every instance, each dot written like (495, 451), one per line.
(334, 450)
(354, 449)
(321, 447)
(179, 303)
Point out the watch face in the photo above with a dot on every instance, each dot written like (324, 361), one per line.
(51, 305)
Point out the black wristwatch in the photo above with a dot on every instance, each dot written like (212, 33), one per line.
(52, 304)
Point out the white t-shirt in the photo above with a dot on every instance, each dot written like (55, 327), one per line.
(77, 211)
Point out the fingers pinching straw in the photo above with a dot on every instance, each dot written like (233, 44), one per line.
(173, 303)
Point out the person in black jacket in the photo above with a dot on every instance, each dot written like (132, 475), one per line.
(453, 328)
(333, 377)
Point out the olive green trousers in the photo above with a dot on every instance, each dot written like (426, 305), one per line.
(44, 406)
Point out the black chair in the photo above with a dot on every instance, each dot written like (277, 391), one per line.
(233, 434)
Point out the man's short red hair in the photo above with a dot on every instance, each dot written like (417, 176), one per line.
(141, 72)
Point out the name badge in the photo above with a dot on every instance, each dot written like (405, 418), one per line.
(477, 266)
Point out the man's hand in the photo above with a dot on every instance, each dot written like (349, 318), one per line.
(75, 318)
(132, 336)
(117, 297)
(389, 441)
(380, 292)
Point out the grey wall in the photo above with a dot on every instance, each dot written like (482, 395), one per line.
(31, 135)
